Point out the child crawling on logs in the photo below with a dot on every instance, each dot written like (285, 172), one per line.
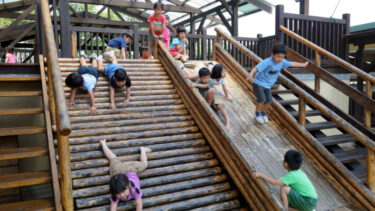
(125, 184)
(86, 77)
(296, 192)
(117, 77)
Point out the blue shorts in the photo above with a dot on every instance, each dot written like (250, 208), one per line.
(110, 69)
(89, 70)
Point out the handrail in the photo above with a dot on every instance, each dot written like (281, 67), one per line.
(214, 131)
(329, 55)
(346, 185)
(60, 115)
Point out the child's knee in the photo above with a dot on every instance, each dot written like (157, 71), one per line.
(284, 190)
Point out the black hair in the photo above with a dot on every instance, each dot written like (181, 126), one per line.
(127, 35)
(181, 29)
(167, 17)
(119, 183)
(294, 159)
(159, 4)
(216, 71)
(204, 72)
(10, 50)
(279, 49)
(74, 80)
(120, 75)
(144, 48)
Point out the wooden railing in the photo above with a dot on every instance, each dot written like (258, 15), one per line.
(59, 111)
(363, 99)
(215, 133)
(334, 171)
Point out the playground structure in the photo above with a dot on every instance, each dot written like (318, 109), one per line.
(212, 170)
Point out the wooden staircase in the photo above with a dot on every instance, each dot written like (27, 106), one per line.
(183, 172)
(15, 90)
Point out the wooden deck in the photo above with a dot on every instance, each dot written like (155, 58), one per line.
(263, 146)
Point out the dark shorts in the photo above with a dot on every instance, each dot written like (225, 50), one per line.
(89, 70)
(299, 202)
(263, 94)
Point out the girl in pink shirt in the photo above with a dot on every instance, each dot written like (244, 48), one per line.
(125, 184)
(9, 56)
(167, 34)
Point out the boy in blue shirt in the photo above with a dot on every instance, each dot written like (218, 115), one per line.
(266, 74)
(297, 191)
(118, 45)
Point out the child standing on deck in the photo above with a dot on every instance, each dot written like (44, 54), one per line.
(86, 77)
(118, 45)
(125, 184)
(10, 57)
(178, 45)
(297, 191)
(157, 24)
(266, 74)
(117, 78)
(167, 33)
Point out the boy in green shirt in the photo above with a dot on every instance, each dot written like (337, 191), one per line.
(297, 191)
(205, 85)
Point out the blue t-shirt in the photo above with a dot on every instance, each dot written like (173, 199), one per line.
(175, 42)
(117, 42)
(268, 71)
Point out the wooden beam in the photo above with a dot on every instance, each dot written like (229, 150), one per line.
(7, 14)
(227, 7)
(264, 5)
(73, 11)
(17, 21)
(64, 28)
(22, 35)
(200, 28)
(130, 13)
(118, 14)
(99, 12)
(106, 22)
(225, 21)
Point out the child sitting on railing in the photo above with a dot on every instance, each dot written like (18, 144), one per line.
(86, 77)
(117, 78)
(266, 74)
(178, 45)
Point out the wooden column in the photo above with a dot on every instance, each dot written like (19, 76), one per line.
(302, 111)
(234, 27)
(317, 78)
(73, 41)
(358, 63)
(218, 40)
(192, 24)
(279, 21)
(65, 28)
(136, 41)
(370, 170)
(367, 116)
(345, 45)
(204, 45)
(304, 7)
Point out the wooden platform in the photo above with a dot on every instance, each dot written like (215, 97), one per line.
(263, 146)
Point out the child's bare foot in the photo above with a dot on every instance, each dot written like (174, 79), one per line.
(103, 142)
(227, 126)
(145, 149)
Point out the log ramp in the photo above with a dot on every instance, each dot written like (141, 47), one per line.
(189, 167)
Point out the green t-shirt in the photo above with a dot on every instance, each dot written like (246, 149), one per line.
(299, 181)
(203, 91)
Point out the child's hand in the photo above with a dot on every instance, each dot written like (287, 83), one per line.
(156, 37)
(126, 102)
(103, 141)
(250, 76)
(113, 106)
(71, 104)
(256, 175)
(93, 110)
(305, 64)
(192, 85)
(229, 99)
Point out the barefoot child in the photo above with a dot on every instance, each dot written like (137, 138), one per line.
(117, 78)
(297, 191)
(178, 45)
(158, 23)
(118, 45)
(266, 73)
(125, 184)
(86, 77)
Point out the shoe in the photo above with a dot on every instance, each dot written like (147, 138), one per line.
(264, 116)
(109, 54)
(259, 117)
(99, 58)
(207, 64)
(94, 56)
(82, 54)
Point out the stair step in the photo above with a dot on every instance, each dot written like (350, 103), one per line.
(134, 87)
(360, 172)
(285, 91)
(119, 61)
(288, 102)
(24, 179)
(85, 100)
(228, 205)
(31, 205)
(135, 78)
(308, 113)
(122, 93)
(336, 139)
(21, 130)
(20, 93)
(20, 111)
(320, 125)
(351, 155)
(26, 152)
(151, 70)
(19, 77)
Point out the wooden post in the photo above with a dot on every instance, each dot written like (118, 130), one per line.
(317, 78)
(50, 94)
(204, 45)
(218, 40)
(65, 28)
(65, 172)
(136, 41)
(302, 111)
(73, 41)
(279, 22)
(359, 61)
(367, 117)
(370, 170)
(345, 46)
(234, 28)
(156, 49)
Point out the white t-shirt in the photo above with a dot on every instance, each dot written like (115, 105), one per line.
(89, 82)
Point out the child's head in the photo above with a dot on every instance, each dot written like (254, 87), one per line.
(9, 50)
(74, 80)
(278, 53)
(204, 75)
(167, 17)
(181, 32)
(158, 8)
(121, 77)
(144, 51)
(127, 37)
(292, 160)
(119, 186)
(218, 72)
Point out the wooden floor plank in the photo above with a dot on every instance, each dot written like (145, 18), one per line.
(21, 130)
(20, 93)
(38, 204)
(25, 152)
(20, 111)
(24, 179)
(320, 125)
(336, 139)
